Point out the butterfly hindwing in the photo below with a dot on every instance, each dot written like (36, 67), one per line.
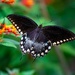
(58, 35)
(22, 23)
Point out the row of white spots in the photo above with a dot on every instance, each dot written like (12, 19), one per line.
(41, 54)
(19, 30)
(32, 51)
(22, 46)
(61, 41)
(46, 51)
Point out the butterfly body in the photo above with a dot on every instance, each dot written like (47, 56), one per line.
(37, 40)
(34, 42)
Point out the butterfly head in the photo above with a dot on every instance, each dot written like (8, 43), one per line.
(40, 26)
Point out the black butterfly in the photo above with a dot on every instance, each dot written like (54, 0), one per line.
(38, 40)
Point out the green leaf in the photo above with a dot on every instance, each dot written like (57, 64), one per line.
(8, 42)
(28, 72)
(13, 72)
(3, 73)
(68, 49)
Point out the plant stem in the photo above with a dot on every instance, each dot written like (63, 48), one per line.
(44, 9)
(62, 61)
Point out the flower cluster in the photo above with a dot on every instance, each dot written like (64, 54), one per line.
(8, 1)
(8, 29)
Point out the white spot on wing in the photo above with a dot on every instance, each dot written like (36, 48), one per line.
(21, 46)
(42, 53)
(46, 51)
(38, 55)
(19, 30)
(25, 51)
(25, 37)
(54, 43)
(21, 33)
(64, 40)
(22, 38)
(32, 52)
(49, 47)
(15, 25)
(13, 22)
(49, 41)
(46, 44)
(32, 48)
(35, 55)
(61, 41)
(21, 42)
(67, 39)
(28, 50)
(58, 42)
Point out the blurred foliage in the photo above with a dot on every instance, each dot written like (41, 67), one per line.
(61, 13)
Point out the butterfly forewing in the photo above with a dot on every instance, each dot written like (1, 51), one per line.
(58, 35)
(22, 23)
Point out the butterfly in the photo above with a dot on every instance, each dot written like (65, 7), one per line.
(38, 40)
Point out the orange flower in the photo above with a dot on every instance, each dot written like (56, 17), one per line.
(8, 1)
(8, 29)
(11, 29)
(27, 3)
(2, 29)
